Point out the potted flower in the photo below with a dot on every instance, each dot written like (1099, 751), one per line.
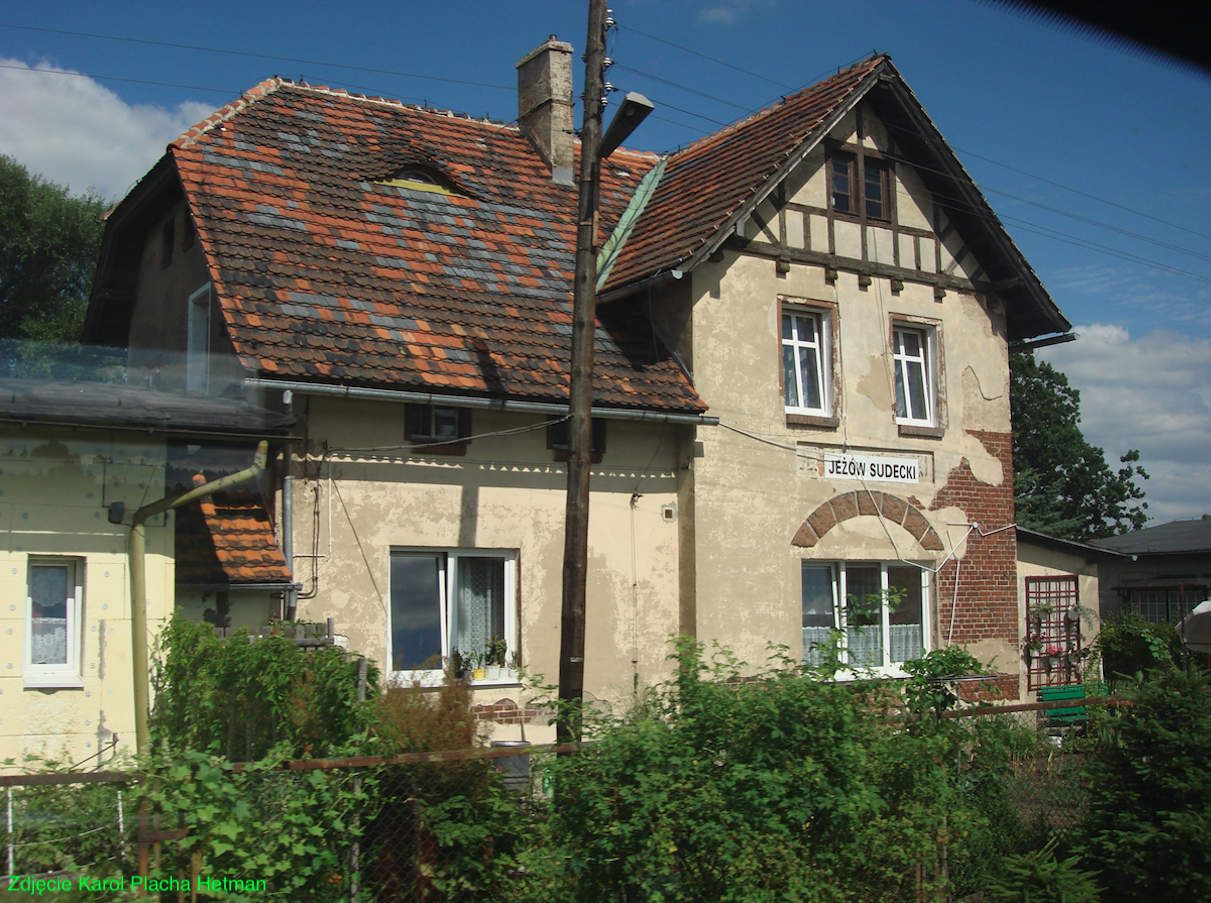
(1032, 645)
(1041, 612)
(494, 657)
(459, 664)
(1052, 657)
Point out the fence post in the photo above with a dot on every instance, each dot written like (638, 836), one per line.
(355, 850)
(11, 868)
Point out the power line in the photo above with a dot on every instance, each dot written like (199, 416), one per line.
(665, 81)
(710, 58)
(113, 78)
(260, 56)
(1092, 197)
(1084, 194)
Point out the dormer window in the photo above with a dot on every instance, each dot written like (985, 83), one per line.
(421, 178)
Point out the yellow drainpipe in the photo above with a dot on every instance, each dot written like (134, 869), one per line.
(138, 590)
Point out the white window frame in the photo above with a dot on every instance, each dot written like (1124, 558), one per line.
(837, 571)
(68, 674)
(822, 348)
(447, 589)
(197, 341)
(925, 364)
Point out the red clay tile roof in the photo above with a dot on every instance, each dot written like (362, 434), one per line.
(227, 539)
(324, 274)
(707, 183)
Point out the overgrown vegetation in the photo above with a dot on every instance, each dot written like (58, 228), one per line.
(718, 786)
(243, 699)
(1130, 647)
(768, 788)
(1149, 823)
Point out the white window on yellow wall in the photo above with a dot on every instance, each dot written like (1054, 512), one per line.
(874, 611)
(447, 601)
(54, 609)
(806, 361)
(912, 356)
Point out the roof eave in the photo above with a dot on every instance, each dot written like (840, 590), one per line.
(1042, 315)
(736, 220)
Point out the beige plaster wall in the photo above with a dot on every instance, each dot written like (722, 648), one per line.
(54, 486)
(752, 492)
(506, 493)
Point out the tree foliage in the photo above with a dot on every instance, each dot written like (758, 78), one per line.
(1062, 485)
(49, 241)
(1149, 822)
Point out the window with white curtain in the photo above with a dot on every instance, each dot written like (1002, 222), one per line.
(450, 600)
(874, 611)
(54, 608)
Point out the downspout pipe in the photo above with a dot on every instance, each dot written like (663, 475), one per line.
(138, 582)
(291, 597)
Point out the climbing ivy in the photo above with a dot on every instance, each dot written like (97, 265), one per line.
(240, 698)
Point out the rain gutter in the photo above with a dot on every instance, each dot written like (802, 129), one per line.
(402, 396)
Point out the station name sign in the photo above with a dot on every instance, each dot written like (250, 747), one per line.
(878, 468)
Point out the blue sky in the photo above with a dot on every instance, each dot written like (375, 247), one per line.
(1076, 144)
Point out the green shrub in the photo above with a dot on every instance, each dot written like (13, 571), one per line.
(769, 788)
(241, 699)
(1038, 877)
(1149, 823)
(1128, 645)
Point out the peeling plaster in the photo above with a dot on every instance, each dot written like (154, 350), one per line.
(875, 385)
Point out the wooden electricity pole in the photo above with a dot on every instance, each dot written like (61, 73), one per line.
(580, 392)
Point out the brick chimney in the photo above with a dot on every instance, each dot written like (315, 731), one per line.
(544, 104)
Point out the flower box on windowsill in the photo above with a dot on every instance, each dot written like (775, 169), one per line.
(496, 676)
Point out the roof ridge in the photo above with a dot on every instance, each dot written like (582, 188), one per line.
(869, 62)
(227, 111)
(390, 102)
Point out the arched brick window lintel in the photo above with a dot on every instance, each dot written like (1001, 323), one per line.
(867, 503)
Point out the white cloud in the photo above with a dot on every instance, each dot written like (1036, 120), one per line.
(725, 12)
(78, 133)
(1152, 393)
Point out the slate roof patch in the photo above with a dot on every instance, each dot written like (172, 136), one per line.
(323, 274)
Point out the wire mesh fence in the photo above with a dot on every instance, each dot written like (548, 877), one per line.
(60, 823)
(443, 826)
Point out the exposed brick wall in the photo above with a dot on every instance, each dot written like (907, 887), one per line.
(996, 688)
(504, 711)
(867, 503)
(986, 606)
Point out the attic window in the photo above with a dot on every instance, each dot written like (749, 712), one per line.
(868, 195)
(420, 178)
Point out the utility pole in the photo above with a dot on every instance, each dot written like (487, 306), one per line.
(580, 391)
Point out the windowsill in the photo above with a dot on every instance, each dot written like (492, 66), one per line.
(53, 682)
(816, 420)
(892, 672)
(433, 679)
(921, 430)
